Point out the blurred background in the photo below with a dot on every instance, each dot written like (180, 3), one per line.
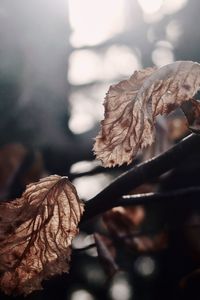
(57, 60)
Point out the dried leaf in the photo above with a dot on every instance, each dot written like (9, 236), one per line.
(106, 253)
(132, 105)
(155, 243)
(191, 110)
(36, 232)
(122, 222)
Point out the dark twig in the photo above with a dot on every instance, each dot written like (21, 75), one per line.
(141, 233)
(140, 174)
(177, 195)
(137, 233)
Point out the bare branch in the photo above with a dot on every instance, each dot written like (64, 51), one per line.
(176, 195)
(140, 174)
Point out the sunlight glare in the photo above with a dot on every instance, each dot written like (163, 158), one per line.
(84, 166)
(84, 67)
(80, 122)
(172, 6)
(174, 31)
(163, 54)
(85, 112)
(89, 186)
(115, 68)
(120, 287)
(150, 7)
(94, 21)
(104, 66)
(145, 266)
(81, 294)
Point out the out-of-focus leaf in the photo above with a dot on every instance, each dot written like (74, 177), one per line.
(191, 110)
(36, 232)
(107, 253)
(123, 217)
(148, 244)
(132, 105)
(11, 158)
(122, 222)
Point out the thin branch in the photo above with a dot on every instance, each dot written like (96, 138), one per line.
(140, 233)
(118, 239)
(145, 199)
(140, 174)
(137, 233)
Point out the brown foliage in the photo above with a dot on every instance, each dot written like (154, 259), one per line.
(122, 221)
(132, 105)
(36, 232)
(122, 224)
(151, 244)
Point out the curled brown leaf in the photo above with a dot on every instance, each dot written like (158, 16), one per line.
(36, 232)
(122, 223)
(132, 105)
(151, 244)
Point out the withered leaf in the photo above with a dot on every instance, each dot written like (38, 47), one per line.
(155, 243)
(132, 105)
(122, 224)
(36, 232)
(122, 221)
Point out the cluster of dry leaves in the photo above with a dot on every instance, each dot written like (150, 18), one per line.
(37, 229)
